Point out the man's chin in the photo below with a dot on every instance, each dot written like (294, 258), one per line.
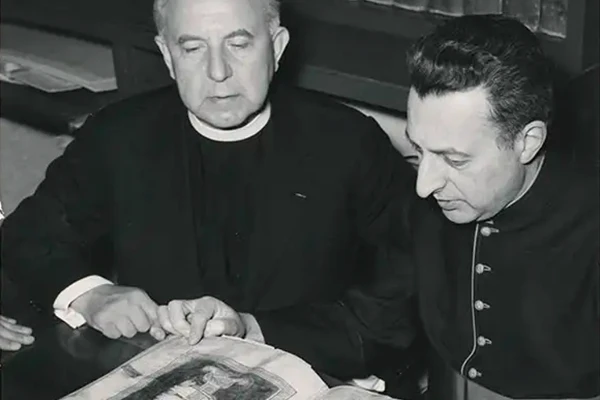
(458, 216)
(229, 122)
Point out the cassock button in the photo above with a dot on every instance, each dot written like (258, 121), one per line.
(473, 373)
(481, 268)
(487, 231)
(483, 341)
(480, 305)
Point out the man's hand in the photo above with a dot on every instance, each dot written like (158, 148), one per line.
(119, 311)
(203, 317)
(12, 335)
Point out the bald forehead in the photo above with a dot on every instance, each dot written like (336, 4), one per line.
(250, 11)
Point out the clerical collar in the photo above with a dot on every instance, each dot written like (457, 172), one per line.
(530, 184)
(549, 188)
(232, 135)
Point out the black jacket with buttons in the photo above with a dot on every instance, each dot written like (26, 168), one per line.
(513, 303)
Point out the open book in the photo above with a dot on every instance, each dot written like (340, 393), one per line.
(216, 368)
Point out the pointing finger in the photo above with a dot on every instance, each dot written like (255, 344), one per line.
(199, 322)
(164, 320)
(177, 316)
(149, 306)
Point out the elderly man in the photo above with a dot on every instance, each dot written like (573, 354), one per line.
(268, 215)
(508, 271)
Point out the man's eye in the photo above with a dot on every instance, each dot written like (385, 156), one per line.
(239, 45)
(191, 49)
(456, 163)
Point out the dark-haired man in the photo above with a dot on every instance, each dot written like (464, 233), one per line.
(507, 246)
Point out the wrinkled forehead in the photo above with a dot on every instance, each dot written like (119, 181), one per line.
(215, 16)
(456, 119)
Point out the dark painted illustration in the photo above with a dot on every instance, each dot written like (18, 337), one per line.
(206, 379)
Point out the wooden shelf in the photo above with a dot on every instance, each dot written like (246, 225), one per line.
(347, 48)
(579, 50)
(364, 16)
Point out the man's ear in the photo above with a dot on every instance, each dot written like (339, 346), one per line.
(164, 49)
(530, 141)
(281, 38)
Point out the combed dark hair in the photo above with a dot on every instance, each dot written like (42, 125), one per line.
(492, 51)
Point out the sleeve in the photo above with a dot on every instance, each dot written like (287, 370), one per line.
(64, 299)
(374, 323)
(47, 240)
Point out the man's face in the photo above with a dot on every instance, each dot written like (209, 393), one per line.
(222, 55)
(461, 163)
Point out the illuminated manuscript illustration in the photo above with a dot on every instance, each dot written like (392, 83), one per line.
(222, 368)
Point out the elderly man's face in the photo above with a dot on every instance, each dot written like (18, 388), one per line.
(222, 54)
(461, 163)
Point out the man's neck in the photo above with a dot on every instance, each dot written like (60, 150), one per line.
(255, 125)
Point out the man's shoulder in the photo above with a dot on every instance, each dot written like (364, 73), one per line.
(316, 107)
(577, 182)
(325, 124)
(144, 119)
(145, 106)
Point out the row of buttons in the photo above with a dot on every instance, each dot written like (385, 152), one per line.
(479, 305)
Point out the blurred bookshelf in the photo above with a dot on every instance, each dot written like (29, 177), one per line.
(352, 49)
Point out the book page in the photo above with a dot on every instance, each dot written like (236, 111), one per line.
(353, 393)
(215, 368)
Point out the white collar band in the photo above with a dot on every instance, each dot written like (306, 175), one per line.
(232, 135)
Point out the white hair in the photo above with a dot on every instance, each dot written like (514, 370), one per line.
(271, 8)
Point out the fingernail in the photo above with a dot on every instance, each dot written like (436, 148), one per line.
(29, 339)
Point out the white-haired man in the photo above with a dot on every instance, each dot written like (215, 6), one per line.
(265, 209)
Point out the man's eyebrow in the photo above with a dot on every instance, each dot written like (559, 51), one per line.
(442, 151)
(189, 38)
(240, 32)
(237, 33)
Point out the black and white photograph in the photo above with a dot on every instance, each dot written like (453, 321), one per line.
(300, 200)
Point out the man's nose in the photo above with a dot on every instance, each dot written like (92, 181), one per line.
(430, 178)
(219, 69)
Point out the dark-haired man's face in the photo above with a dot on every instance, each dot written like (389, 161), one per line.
(222, 54)
(460, 161)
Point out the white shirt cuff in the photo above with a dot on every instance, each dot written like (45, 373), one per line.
(253, 331)
(371, 383)
(64, 299)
